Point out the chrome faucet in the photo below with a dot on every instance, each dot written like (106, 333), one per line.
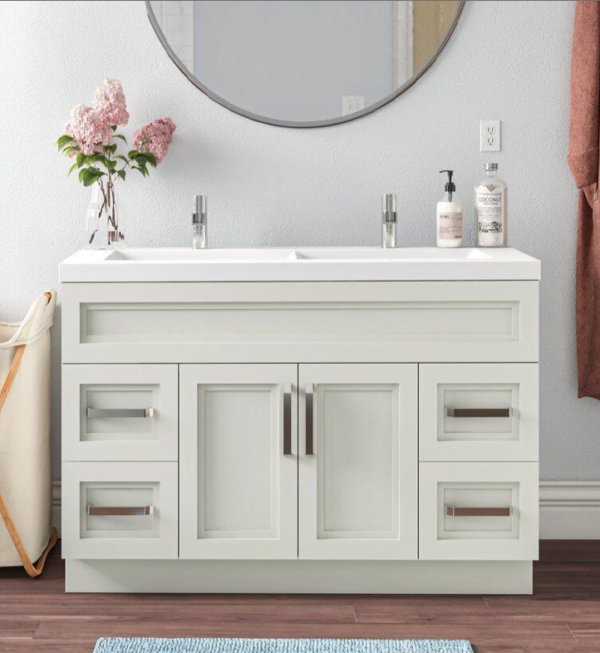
(390, 220)
(199, 222)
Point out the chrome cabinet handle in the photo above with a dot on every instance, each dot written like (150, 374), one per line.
(119, 412)
(479, 412)
(309, 421)
(287, 419)
(454, 511)
(119, 511)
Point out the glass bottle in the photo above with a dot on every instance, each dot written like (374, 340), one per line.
(490, 209)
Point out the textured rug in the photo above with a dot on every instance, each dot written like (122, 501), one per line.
(212, 645)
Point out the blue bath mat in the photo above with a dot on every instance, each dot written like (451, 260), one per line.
(218, 645)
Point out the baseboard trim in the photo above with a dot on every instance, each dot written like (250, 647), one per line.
(569, 510)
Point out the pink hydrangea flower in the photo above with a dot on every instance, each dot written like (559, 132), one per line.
(88, 128)
(109, 100)
(155, 138)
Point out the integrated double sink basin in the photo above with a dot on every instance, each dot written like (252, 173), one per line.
(299, 264)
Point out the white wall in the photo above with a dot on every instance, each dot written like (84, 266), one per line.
(273, 186)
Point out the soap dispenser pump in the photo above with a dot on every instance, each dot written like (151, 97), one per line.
(449, 216)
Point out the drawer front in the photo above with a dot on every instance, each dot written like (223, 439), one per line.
(483, 511)
(304, 322)
(119, 510)
(479, 412)
(120, 412)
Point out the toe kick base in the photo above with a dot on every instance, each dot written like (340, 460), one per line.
(300, 577)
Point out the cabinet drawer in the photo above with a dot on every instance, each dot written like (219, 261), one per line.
(484, 511)
(120, 412)
(119, 510)
(478, 412)
(331, 322)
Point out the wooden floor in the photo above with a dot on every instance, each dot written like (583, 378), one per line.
(36, 616)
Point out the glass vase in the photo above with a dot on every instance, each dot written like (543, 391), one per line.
(104, 228)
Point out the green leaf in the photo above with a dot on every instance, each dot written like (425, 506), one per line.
(80, 159)
(142, 169)
(121, 137)
(92, 176)
(133, 153)
(114, 128)
(63, 140)
(71, 169)
(88, 181)
(87, 176)
(70, 150)
(110, 148)
(122, 158)
(121, 174)
(151, 159)
(142, 158)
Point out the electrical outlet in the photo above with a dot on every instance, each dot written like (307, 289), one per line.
(489, 136)
(352, 104)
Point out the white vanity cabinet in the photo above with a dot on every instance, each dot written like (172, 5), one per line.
(300, 436)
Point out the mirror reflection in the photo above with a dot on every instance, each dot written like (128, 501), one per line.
(303, 63)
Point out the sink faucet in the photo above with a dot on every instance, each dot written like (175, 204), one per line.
(199, 222)
(390, 219)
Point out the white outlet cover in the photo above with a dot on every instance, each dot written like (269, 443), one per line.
(489, 136)
(352, 104)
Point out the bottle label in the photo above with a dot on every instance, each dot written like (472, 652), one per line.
(490, 206)
(450, 225)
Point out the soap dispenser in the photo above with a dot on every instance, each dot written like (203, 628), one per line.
(449, 216)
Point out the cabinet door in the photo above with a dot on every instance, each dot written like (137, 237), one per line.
(238, 461)
(358, 462)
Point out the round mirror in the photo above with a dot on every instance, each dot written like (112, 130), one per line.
(303, 64)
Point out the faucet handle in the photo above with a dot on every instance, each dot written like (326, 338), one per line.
(200, 209)
(389, 208)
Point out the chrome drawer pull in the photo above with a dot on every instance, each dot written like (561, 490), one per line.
(98, 413)
(479, 412)
(120, 511)
(453, 511)
(309, 426)
(287, 420)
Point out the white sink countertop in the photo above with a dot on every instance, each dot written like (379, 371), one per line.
(299, 264)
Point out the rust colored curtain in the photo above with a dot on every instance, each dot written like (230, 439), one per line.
(584, 165)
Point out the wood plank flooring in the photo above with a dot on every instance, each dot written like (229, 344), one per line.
(563, 615)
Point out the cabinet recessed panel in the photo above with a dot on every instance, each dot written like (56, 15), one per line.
(104, 412)
(357, 461)
(338, 322)
(239, 465)
(237, 432)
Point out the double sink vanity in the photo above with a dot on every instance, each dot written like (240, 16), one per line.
(300, 420)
